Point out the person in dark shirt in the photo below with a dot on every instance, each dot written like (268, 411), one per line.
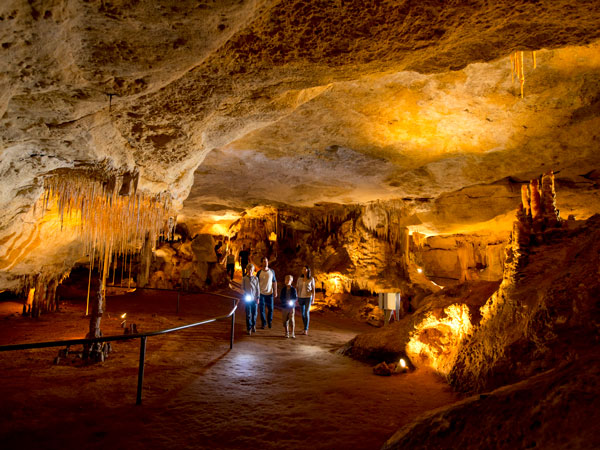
(244, 257)
(288, 303)
(218, 252)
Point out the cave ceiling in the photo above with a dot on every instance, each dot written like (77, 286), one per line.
(232, 104)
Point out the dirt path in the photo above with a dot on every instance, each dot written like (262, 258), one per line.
(268, 392)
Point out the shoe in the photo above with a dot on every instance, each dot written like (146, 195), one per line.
(254, 329)
(293, 336)
(249, 332)
(287, 335)
(305, 332)
(269, 326)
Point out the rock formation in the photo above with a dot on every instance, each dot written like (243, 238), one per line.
(190, 264)
(386, 144)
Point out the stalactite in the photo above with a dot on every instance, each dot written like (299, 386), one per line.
(518, 68)
(87, 304)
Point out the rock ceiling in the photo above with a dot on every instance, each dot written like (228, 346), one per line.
(232, 104)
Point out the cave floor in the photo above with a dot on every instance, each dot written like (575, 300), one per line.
(268, 392)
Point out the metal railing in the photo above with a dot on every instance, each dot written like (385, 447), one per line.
(142, 336)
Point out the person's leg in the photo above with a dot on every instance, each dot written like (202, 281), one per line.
(254, 310)
(269, 310)
(248, 317)
(263, 318)
(293, 320)
(307, 315)
(305, 311)
(285, 323)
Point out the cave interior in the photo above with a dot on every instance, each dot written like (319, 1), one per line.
(435, 164)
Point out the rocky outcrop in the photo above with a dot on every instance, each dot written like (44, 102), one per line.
(545, 310)
(190, 264)
(459, 258)
(430, 336)
(555, 409)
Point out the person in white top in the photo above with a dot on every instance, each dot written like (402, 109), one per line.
(306, 295)
(268, 291)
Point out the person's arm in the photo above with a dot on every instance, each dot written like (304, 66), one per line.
(256, 291)
(314, 291)
(274, 284)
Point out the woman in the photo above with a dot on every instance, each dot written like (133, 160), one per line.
(306, 295)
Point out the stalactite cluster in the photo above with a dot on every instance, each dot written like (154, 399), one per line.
(108, 213)
(388, 227)
(112, 218)
(40, 290)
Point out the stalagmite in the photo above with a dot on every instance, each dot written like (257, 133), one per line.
(548, 200)
(535, 199)
(525, 201)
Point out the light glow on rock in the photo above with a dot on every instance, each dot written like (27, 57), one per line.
(436, 339)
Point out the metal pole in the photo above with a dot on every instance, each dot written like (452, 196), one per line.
(141, 370)
(232, 324)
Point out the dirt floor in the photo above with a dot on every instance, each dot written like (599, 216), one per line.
(268, 392)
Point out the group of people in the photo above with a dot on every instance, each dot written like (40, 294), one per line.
(260, 292)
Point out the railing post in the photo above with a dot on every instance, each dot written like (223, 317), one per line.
(141, 370)
(232, 325)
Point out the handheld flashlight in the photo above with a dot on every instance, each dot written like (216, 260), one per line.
(248, 298)
(291, 303)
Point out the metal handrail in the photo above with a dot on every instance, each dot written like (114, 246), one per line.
(142, 336)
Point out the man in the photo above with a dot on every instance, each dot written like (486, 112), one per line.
(244, 257)
(268, 291)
